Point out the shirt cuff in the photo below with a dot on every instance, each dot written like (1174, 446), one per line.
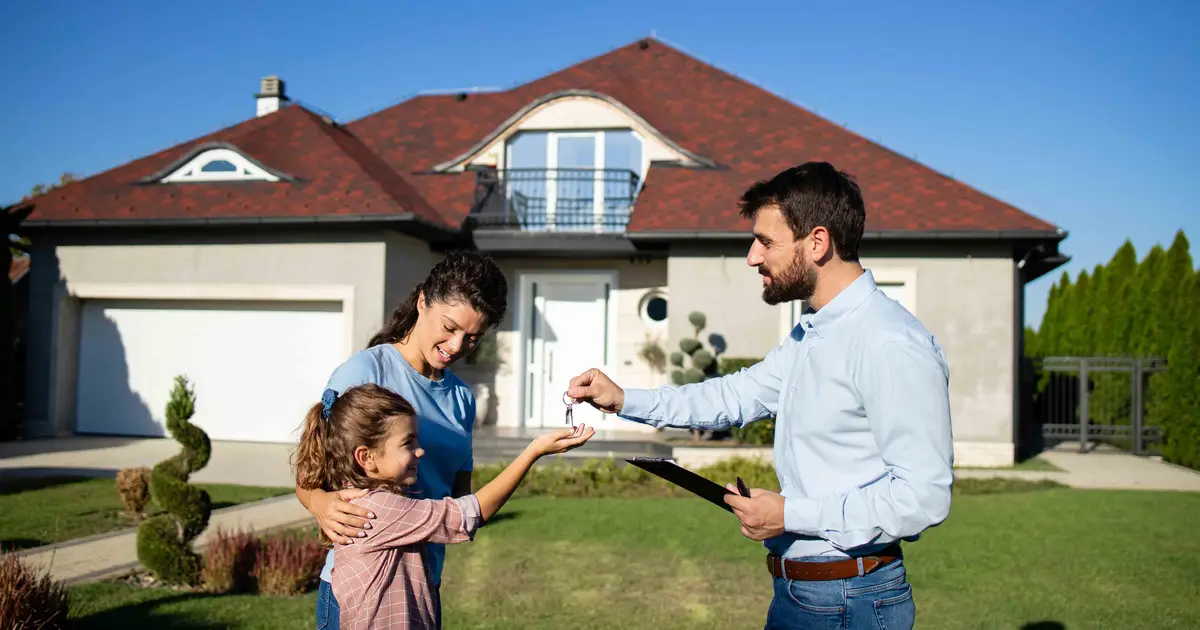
(800, 516)
(637, 406)
(471, 516)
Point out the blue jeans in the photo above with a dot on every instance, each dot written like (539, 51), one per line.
(328, 611)
(881, 600)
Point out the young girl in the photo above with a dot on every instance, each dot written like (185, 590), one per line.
(367, 438)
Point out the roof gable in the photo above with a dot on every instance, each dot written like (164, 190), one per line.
(747, 132)
(315, 168)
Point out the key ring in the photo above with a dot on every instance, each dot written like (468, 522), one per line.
(570, 403)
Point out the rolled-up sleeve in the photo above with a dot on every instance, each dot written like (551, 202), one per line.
(905, 392)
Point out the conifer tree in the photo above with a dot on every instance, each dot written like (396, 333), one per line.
(1176, 404)
(1143, 305)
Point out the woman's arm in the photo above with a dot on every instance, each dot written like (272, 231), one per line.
(341, 520)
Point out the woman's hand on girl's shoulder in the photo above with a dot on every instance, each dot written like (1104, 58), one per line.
(561, 441)
(341, 520)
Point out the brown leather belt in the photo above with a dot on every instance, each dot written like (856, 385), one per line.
(835, 570)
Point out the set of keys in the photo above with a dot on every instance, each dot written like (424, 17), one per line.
(570, 403)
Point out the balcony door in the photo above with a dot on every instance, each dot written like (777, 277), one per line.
(576, 186)
(573, 180)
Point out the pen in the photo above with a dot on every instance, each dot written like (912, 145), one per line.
(742, 489)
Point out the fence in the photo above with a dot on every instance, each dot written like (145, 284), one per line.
(1095, 400)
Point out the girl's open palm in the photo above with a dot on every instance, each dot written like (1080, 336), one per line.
(563, 440)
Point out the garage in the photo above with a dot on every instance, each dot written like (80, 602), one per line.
(255, 366)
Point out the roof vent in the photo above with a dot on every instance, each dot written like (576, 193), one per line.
(644, 44)
(461, 96)
(271, 95)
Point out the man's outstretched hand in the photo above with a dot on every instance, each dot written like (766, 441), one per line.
(761, 514)
(595, 388)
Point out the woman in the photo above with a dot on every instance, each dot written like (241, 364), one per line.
(441, 322)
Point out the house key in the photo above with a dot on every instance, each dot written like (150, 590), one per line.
(570, 403)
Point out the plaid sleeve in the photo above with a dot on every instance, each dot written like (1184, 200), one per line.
(401, 521)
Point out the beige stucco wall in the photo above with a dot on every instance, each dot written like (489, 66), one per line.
(378, 268)
(967, 302)
(634, 280)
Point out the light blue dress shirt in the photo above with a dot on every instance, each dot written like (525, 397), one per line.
(863, 445)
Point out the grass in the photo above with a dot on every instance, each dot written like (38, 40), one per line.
(1004, 560)
(36, 511)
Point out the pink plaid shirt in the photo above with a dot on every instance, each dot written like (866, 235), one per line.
(381, 580)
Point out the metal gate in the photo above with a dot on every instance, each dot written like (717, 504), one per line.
(1096, 400)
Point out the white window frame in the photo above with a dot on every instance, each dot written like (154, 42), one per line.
(552, 166)
(192, 170)
(645, 301)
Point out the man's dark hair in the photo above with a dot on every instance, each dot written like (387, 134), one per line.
(811, 195)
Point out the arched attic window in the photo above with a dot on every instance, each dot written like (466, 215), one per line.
(219, 165)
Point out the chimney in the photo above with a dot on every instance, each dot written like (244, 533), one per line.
(270, 95)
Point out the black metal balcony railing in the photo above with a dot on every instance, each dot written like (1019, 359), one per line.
(559, 200)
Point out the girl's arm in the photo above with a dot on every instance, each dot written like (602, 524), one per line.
(401, 521)
(493, 495)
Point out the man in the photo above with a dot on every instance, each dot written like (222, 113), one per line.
(859, 390)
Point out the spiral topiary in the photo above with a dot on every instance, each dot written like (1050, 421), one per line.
(704, 363)
(164, 540)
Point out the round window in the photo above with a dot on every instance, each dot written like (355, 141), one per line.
(654, 309)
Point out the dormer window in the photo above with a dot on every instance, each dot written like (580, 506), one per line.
(219, 165)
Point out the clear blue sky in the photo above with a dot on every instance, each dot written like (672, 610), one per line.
(1083, 113)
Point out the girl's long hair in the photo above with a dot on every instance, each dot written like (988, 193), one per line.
(469, 277)
(362, 416)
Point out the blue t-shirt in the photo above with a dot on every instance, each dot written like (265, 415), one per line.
(445, 417)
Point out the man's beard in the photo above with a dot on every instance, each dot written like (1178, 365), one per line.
(797, 282)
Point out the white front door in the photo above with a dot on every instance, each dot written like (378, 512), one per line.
(568, 334)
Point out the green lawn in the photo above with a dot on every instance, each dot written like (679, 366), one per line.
(1079, 558)
(37, 511)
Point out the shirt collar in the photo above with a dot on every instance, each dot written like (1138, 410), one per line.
(844, 303)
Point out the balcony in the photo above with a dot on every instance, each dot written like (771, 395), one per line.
(576, 200)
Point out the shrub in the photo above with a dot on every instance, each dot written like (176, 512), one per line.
(164, 540)
(704, 363)
(133, 484)
(229, 560)
(604, 478)
(289, 565)
(30, 600)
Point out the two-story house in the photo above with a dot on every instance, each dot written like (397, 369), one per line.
(257, 258)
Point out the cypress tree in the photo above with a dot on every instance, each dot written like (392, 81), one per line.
(1176, 269)
(1078, 315)
(1142, 342)
(1051, 335)
(1121, 282)
(1177, 403)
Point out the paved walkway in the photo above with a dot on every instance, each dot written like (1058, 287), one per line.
(1103, 469)
(110, 555)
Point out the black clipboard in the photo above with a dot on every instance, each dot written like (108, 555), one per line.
(700, 486)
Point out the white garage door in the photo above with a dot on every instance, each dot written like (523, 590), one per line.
(255, 367)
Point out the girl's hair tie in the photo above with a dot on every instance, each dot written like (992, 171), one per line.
(327, 399)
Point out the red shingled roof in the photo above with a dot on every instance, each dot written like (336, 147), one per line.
(748, 132)
(335, 174)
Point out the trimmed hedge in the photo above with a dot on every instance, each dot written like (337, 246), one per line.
(761, 433)
(605, 478)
